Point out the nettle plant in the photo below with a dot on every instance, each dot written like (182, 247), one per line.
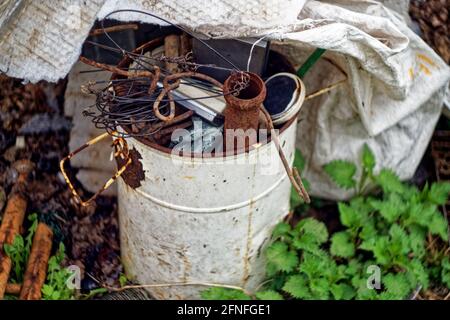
(399, 232)
(55, 287)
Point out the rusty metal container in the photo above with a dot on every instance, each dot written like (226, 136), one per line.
(208, 220)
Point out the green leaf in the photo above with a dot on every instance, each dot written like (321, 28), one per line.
(368, 230)
(362, 290)
(123, 280)
(319, 288)
(389, 182)
(47, 290)
(349, 216)
(281, 230)
(417, 273)
(353, 267)
(378, 248)
(420, 214)
(391, 208)
(16, 252)
(368, 159)
(397, 285)
(268, 295)
(439, 226)
(342, 245)
(399, 244)
(342, 173)
(445, 273)
(417, 241)
(33, 218)
(306, 242)
(216, 293)
(439, 193)
(297, 286)
(318, 264)
(342, 291)
(314, 228)
(281, 257)
(309, 234)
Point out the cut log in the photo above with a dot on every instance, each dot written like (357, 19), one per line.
(11, 225)
(13, 288)
(36, 271)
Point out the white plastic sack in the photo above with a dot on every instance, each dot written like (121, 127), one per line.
(213, 17)
(392, 104)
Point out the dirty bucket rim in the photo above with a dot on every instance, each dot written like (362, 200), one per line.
(168, 151)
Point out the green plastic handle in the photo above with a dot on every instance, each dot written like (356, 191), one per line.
(312, 59)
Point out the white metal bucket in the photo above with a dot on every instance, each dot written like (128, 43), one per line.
(203, 219)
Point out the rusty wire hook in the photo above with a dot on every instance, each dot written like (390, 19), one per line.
(121, 150)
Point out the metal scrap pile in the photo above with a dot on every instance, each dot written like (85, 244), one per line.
(208, 88)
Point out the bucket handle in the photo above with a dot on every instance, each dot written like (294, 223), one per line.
(120, 150)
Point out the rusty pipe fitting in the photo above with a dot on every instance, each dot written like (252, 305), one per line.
(243, 108)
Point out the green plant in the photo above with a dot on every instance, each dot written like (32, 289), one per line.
(390, 231)
(19, 250)
(55, 287)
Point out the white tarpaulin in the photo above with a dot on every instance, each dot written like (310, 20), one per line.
(392, 98)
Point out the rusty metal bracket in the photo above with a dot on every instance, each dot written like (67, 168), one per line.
(120, 150)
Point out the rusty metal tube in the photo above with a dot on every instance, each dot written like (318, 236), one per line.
(242, 110)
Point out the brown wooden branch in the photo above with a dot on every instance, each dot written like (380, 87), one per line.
(13, 288)
(171, 50)
(122, 27)
(185, 44)
(11, 225)
(36, 271)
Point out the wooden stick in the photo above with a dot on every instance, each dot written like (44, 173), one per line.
(13, 288)
(122, 27)
(185, 44)
(11, 224)
(36, 271)
(172, 50)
